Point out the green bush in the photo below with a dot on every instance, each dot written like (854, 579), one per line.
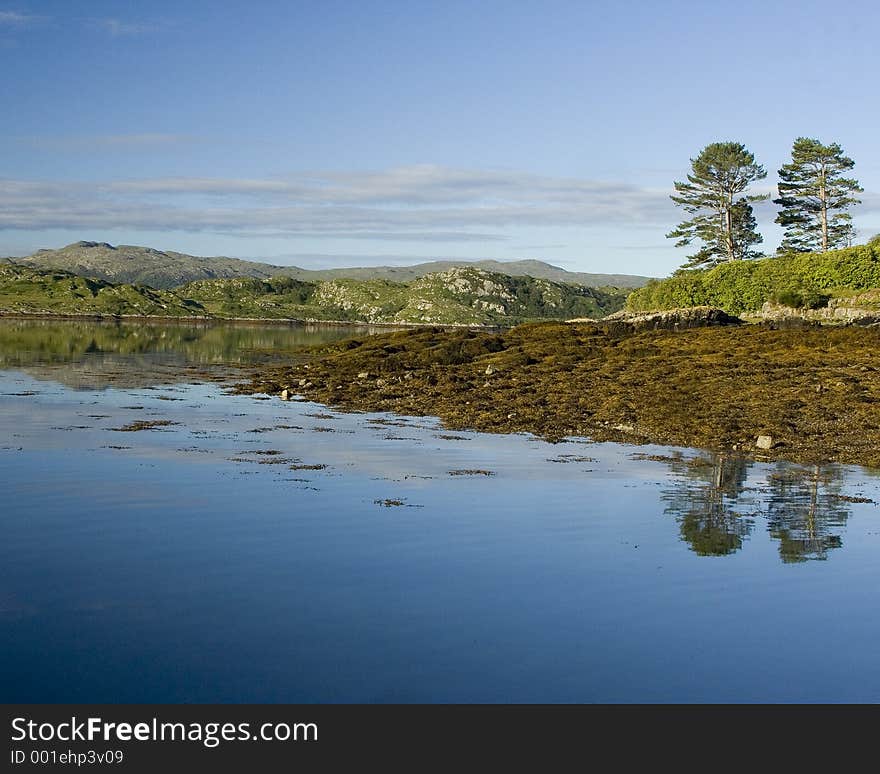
(809, 279)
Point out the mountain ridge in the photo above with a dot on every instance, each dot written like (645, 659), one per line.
(167, 269)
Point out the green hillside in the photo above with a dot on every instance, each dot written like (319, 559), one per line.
(456, 297)
(30, 291)
(807, 280)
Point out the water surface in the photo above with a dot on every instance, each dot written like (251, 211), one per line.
(254, 550)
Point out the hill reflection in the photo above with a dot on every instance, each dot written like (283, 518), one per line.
(87, 355)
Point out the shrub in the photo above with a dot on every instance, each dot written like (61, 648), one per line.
(809, 279)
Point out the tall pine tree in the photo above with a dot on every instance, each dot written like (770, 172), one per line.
(814, 195)
(723, 219)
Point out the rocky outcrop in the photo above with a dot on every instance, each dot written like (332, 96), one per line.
(859, 309)
(670, 319)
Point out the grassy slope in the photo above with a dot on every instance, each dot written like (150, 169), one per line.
(30, 291)
(459, 296)
(806, 279)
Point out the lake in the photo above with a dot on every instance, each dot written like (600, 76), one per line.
(165, 540)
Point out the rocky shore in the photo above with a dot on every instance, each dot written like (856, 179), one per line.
(808, 393)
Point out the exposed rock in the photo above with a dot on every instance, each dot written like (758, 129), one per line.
(860, 309)
(670, 319)
(764, 442)
(285, 394)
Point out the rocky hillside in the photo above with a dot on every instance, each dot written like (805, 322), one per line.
(166, 269)
(454, 297)
(459, 296)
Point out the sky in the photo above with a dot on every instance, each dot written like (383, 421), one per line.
(328, 133)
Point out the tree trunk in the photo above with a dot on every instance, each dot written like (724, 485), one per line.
(729, 230)
(823, 209)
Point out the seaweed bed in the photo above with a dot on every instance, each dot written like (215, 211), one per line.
(813, 391)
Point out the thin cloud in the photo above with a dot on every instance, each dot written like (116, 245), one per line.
(14, 19)
(119, 28)
(424, 203)
(492, 193)
(870, 202)
(112, 26)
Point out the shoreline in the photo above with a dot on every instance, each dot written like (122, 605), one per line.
(289, 322)
(805, 395)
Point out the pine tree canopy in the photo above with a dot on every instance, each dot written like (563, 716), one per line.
(814, 197)
(723, 220)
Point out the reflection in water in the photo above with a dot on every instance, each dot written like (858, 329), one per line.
(249, 550)
(806, 510)
(705, 500)
(716, 509)
(716, 500)
(89, 355)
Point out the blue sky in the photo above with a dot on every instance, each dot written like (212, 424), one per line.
(343, 133)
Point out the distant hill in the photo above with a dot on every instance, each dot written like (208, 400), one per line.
(528, 268)
(166, 269)
(459, 296)
(142, 265)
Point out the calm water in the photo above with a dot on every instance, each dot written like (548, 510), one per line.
(262, 551)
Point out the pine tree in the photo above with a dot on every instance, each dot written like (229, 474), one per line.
(723, 219)
(813, 195)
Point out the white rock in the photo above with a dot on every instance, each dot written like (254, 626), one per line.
(764, 442)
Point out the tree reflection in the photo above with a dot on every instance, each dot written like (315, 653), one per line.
(704, 500)
(806, 510)
(804, 507)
